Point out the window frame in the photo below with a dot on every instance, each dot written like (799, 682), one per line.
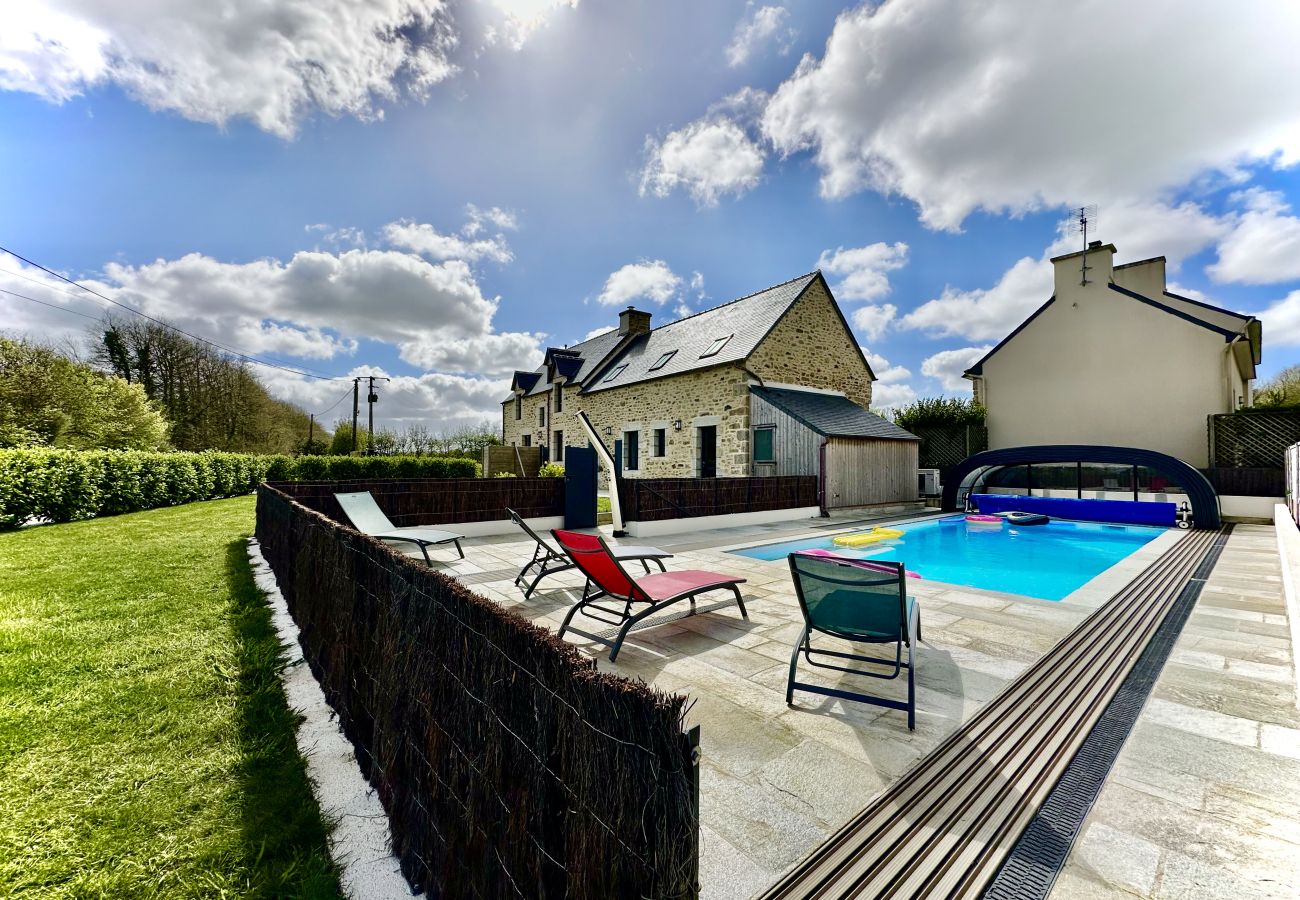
(519, 407)
(559, 398)
(662, 361)
(557, 453)
(541, 416)
(659, 443)
(770, 430)
(614, 373)
(632, 451)
(716, 347)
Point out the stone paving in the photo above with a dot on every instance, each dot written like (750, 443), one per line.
(775, 780)
(1204, 800)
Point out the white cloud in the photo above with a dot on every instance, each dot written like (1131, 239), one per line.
(1012, 107)
(271, 63)
(315, 305)
(891, 388)
(947, 366)
(707, 159)
(865, 270)
(885, 371)
(757, 28)
(1264, 248)
(1281, 321)
(697, 284)
(427, 240)
(521, 19)
(597, 332)
(872, 320)
(986, 313)
(650, 280)
(433, 397)
(478, 219)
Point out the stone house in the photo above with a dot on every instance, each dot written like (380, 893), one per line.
(678, 397)
(1115, 358)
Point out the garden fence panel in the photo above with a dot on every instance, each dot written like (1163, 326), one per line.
(509, 767)
(1255, 438)
(1292, 457)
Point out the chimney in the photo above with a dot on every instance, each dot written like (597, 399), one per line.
(633, 321)
(1069, 272)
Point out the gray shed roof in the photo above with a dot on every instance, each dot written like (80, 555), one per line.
(832, 415)
(744, 322)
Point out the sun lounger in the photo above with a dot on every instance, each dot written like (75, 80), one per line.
(368, 518)
(652, 592)
(548, 561)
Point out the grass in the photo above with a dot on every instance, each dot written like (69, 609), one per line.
(145, 746)
(603, 505)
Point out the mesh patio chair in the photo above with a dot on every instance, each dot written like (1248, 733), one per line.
(368, 518)
(858, 601)
(605, 573)
(548, 561)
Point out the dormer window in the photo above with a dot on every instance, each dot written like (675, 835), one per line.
(663, 360)
(615, 372)
(717, 345)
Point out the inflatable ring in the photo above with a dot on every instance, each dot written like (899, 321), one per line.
(869, 537)
(1026, 518)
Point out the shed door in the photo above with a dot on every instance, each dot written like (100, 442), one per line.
(864, 472)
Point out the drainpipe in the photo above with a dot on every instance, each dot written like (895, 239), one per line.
(821, 478)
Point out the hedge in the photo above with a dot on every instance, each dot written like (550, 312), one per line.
(65, 485)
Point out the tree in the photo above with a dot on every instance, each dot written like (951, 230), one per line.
(1281, 391)
(49, 400)
(932, 412)
(341, 443)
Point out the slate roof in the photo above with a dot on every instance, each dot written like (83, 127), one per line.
(832, 415)
(747, 321)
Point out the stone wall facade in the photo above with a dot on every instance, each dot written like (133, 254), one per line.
(811, 347)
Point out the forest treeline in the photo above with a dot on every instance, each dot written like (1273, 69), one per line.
(141, 386)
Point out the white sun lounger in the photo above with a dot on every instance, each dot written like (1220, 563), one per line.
(369, 519)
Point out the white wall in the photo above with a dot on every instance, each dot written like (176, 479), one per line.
(1098, 367)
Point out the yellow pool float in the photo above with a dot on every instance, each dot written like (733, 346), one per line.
(869, 537)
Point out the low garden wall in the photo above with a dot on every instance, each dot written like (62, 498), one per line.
(659, 499)
(65, 485)
(508, 766)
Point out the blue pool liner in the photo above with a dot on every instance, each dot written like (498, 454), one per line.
(1127, 512)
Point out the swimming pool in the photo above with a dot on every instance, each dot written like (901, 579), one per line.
(1045, 561)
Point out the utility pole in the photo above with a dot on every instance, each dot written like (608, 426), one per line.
(356, 397)
(311, 429)
(371, 399)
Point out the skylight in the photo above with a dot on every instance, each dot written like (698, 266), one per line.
(718, 344)
(663, 360)
(615, 372)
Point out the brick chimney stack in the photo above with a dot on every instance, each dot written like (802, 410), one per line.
(633, 321)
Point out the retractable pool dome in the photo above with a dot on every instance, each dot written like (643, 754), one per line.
(1200, 493)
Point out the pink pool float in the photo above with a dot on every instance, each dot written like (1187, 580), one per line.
(981, 519)
(849, 560)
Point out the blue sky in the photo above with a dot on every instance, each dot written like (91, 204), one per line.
(440, 190)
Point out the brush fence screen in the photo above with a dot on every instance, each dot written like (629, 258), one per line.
(509, 767)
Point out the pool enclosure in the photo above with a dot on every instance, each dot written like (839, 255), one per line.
(1082, 481)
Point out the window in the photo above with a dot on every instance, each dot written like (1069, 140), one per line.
(615, 372)
(559, 398)
(718, 344)
(541, 416)
(663, 360)
(661, 442)
(528, 440)
(765, 444)
(631, 450)
(519, 407)
(559, 447)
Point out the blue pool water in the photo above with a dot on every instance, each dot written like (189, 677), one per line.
(1045, 561)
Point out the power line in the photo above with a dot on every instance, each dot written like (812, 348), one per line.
(50, 305)
(335, 403)
(238, 353)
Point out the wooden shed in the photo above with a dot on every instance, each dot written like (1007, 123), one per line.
(860, 459)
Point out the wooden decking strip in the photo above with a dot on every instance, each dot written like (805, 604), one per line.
(944, 828)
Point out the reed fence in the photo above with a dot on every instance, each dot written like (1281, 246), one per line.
(508, 766)
(436, 501)
(657, 499)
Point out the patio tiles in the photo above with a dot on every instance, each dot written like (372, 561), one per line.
(1202, 801)
(1185, 812)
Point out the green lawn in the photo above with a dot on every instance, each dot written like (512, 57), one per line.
(603, 505)
(145, 746)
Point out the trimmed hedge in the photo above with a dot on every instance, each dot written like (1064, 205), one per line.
(65, 485)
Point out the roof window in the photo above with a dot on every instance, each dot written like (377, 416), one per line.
(615, 372)
(663, 360)
(718, 344)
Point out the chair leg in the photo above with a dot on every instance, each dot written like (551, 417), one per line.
(660, 563)
(645, 565)
(735, 589)
(568, 619)
(424, 548)
(911, 691)
(794, 662)
(458, 549)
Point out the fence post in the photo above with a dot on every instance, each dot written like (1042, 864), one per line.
(693, 742)
(1209, 430)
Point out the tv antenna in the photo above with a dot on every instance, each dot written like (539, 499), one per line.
(1081, 219)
